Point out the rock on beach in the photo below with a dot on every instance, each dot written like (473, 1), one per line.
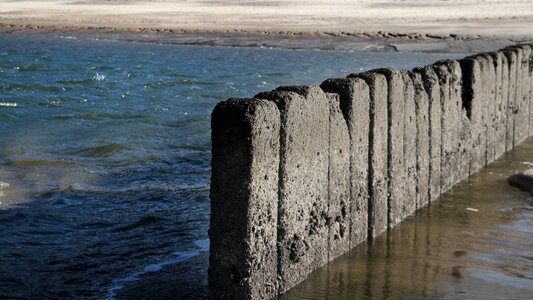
(523, 181)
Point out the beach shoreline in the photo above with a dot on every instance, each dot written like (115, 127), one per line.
(380, 41)
(364, 25)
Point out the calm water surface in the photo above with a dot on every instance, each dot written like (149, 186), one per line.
(104, 176)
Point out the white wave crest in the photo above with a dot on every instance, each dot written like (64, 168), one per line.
(98, 77)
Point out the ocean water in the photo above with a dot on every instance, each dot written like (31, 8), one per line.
(105, 157)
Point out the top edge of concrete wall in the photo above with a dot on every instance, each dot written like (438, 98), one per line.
(261, 172)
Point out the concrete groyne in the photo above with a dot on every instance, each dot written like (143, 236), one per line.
(302, 174)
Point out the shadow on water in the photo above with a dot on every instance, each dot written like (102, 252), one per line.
(473, 243)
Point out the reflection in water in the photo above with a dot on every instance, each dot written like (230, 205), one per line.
(476, 242)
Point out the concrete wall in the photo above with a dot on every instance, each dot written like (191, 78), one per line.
(302, 174)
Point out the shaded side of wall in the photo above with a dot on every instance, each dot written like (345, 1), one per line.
(302, 174)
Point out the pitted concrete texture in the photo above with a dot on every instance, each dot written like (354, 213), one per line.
(422, 141)
(500, 114)
(303, 231)
(531, 91)
(354, 97)
(511, 98)
(244, 206)
(431, 84)
(489, 88)
(339, 218)
(450, 124)
(530, 83)
(475, 95)
(506, 101)
(397, 175)
(408, 203)
(377, 205)
(463, 133)
(522, 125)
(530, 87)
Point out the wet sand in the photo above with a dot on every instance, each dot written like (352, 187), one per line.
(337, 42)
(485, 17)
(391, 25)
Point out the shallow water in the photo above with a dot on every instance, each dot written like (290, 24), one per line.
(476, 242)
(105, 157)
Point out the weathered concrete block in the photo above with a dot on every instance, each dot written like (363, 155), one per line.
(521, 124)
(480, 100)
(511, 98)
(458, 140)
(431, 84)
(377, 205)
(463, 133)
(450, 126)
(339, 219)
(303, 231)
(408, 205)
(505, 102)
(489, 88)
(422, 141)
(354, 97)
(500, 112)
(530, 79)
(522, 119)
(473, 99)
(244, 200)
(396, 161)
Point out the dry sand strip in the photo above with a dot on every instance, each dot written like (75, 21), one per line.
(497, 18)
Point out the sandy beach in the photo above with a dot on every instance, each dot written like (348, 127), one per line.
(497, 18)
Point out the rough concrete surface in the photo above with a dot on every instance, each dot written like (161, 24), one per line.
(530, 69)
(422, 141)
(409, 150)
(377, 205)
(449, 123)
(244, 206)
(521, 123)
(339, 219)
(395, 140)
(431, 84)
(303, 189)
(511, 98)
(500, 116)
(354, 97)
(483, 102)
(475, 95)
(489, 86)
(463, 131)
(523, 126)
(506, 101)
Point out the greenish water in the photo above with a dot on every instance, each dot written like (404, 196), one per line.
(476, 242)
